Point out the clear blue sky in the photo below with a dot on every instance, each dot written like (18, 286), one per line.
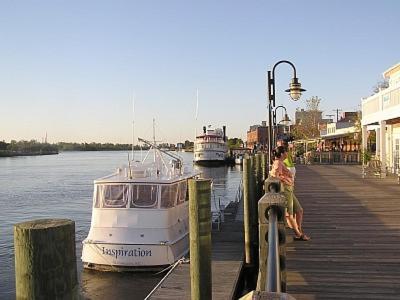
(70, 68)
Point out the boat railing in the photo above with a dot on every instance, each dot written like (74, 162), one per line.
(217, 215)
(239, 192)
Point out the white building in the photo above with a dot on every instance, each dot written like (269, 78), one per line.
(381, 112)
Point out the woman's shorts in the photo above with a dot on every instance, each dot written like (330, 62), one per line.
(293, 204)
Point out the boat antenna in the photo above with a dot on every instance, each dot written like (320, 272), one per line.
(129, 167)
(133, 128)
(154, 138)
(196, 113)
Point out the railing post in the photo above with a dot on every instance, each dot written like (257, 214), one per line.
(200, 238)
(272, 236)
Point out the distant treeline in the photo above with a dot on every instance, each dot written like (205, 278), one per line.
(34, 147)
(31, 147)
(62, 146)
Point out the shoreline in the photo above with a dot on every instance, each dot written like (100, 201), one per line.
(13, 154)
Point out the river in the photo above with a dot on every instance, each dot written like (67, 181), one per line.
(60, 186)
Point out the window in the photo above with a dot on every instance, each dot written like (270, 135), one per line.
(115, 196)
(169, 195)
(144, 196)
(96, 196)
(396, 156)
(182, 191)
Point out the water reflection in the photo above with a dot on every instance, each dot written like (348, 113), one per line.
(110, 285)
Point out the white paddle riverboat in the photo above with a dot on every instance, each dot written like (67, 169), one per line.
(140, 216)
(211, 146)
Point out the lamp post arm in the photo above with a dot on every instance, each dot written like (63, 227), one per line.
(287, 62)
(271, 80)
(274, 113)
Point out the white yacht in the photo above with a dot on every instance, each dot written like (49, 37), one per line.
(140, 216)
(211, 146)
(239, 159)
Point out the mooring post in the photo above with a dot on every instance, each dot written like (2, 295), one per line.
(264, 167)
(256, 188)
(200, 238)
(258, 175)
(246, 209)
(45, 259)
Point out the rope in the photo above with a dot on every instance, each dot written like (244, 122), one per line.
(173, 266)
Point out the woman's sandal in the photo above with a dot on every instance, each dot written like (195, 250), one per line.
(303, 237)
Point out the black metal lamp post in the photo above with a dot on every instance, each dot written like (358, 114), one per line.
(294, 92)
(275, 125)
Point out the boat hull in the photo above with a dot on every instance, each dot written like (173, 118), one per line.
(238, 161)
(132, 257)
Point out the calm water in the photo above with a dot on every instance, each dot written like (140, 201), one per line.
(60, 186)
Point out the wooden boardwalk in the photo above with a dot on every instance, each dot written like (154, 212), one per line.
(354, 253)
(227, 259)
(354, 224)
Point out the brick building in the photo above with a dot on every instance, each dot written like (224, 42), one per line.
(257, 136)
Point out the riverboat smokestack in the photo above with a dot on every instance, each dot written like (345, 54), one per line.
(224, 129)
(204, 129)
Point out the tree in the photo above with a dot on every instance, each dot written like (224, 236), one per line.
(235, 143)
(308, 127)
(3, 145)
(380, 85)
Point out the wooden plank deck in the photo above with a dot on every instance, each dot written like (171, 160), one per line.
(355, 249)
(354, 224)
(227, 252)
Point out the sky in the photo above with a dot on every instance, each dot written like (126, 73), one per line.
(72, 68)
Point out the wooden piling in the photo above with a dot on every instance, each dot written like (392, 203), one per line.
(246, 208)
(45, 259)
(200, 238)
(258, 175)
(264, 166)
(254, 197)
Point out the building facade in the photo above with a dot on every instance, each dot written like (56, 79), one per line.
(257, 137)
(340, 136)
(381, 113)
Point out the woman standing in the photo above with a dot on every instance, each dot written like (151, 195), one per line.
(294, 208)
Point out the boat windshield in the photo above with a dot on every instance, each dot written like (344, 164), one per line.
(115, 196)
(144, 196)
(169, 194)
(182, 192)
(119, 195)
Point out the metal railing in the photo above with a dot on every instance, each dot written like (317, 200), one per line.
(239, 192)
(273, 264)
(271, 214)
(330, 157)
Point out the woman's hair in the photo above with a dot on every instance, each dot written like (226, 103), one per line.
(278, 151)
